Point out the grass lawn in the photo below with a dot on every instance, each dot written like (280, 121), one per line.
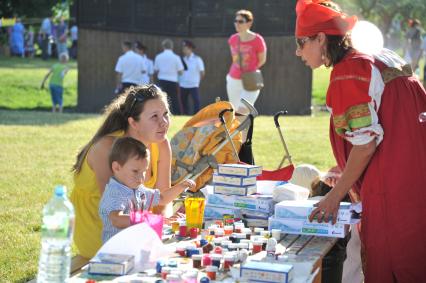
(320, 85)
(38, 149)
(20, 80)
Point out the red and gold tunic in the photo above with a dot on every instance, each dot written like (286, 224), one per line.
(378, 99)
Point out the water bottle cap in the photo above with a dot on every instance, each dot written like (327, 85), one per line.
(60, 190)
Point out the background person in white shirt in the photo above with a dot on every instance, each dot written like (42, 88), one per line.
(189, 82)
(168, 66)
(130, 68)
(147, 77)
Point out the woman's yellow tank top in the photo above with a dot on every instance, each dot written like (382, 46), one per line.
(86, 197)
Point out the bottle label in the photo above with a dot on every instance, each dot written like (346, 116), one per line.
(56, 225)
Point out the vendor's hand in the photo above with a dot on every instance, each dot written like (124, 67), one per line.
(190, 184)
(327, 208)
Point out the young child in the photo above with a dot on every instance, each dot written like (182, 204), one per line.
(129, 159)
(58, 72)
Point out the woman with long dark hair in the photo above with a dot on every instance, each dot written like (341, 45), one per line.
(142, 113)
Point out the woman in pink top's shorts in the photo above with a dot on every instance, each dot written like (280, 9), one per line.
(252, 49)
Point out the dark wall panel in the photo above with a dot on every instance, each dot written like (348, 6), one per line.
(92, 13)
(204, 18)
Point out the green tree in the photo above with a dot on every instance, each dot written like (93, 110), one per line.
(25, 8)
(383, 12)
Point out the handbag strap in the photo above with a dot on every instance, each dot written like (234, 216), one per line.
(240, 58)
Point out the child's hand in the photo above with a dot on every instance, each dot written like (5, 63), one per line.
(190, 184)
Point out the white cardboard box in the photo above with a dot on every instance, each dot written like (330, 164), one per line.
(234, 180)
(234, 190)
(111, 264)
(254, 202)
(303, 227)
(301, 209)
(217, 212)
(244, 170)
(257, 271)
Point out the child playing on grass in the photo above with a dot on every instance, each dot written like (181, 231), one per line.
(58, 72)
(129, 159)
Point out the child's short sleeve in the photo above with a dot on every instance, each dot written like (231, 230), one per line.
(260, 44)
(113, 200)
(119, 66)
(233, 39)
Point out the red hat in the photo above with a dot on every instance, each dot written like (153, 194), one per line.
(312, 18)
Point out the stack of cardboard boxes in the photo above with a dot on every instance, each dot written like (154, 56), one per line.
(234, 193)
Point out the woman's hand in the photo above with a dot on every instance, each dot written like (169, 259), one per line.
(327, 208)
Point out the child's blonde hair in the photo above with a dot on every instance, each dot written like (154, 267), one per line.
(63, 57)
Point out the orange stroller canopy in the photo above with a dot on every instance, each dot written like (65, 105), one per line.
(201, 144)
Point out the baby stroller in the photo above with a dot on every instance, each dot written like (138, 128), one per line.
(211, 137)
(281, 173)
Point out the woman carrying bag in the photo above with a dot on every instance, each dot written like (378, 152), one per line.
(248, 51)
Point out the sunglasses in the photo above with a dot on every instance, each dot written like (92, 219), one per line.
(300, 42)
(240, 22)
(142, 94)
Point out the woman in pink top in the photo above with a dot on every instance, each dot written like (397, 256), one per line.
(252, 49)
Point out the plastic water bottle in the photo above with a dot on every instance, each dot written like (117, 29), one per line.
(56, 238)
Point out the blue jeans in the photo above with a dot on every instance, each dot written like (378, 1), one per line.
(193, 92)
(56, 92)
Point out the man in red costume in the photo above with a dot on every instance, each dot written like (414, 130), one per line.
(377, 140)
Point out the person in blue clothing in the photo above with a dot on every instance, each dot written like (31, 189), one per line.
(17, 39)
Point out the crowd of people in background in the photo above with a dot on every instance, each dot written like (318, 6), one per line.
(177, 75)
(53, 38)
